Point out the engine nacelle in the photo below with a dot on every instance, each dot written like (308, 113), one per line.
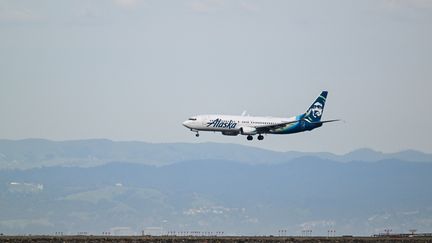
(248, 130)
(230, 133)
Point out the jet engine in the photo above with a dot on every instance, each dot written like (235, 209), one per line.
(248, 131)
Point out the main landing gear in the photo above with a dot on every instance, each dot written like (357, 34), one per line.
(260, 137)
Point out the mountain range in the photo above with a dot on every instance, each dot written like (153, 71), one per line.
(31, 153)
(100, 186)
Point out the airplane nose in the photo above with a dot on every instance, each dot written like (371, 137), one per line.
(186, 123)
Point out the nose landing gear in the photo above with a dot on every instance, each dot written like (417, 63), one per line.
(260, 137)
(196, 134)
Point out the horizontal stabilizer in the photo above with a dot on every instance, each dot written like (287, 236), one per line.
(321, 122)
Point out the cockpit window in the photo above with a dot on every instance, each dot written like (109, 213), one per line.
(192, 119)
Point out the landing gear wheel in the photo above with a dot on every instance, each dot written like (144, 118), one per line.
(197, 134)
(260, 137)
(249, 137)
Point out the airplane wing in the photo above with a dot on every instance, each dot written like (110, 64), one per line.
(266, 128)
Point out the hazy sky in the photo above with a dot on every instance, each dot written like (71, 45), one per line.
(135, 69)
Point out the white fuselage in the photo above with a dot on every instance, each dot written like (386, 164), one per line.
(231, 125)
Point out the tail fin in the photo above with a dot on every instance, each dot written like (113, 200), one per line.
(315, 111)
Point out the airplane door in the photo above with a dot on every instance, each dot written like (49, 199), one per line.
(204, 121)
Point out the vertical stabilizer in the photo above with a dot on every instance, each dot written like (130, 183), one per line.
(315, 111)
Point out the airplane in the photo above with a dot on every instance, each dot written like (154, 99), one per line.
(252, 125)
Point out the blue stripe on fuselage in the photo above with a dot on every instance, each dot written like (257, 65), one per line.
(300, 126)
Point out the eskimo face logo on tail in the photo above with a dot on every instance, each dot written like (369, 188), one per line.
(316, 110)
(222, 124)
